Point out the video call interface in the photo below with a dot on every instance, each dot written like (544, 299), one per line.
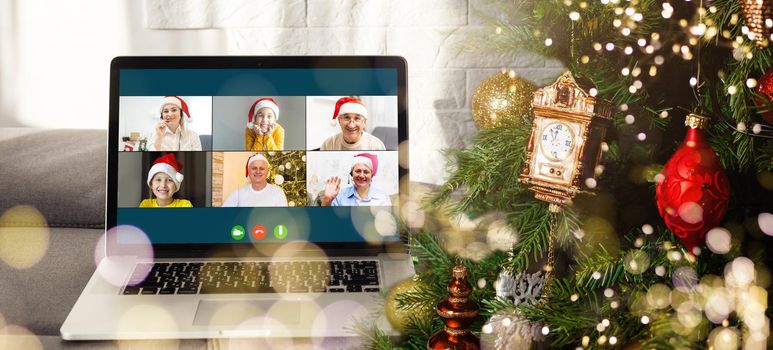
(258, 155)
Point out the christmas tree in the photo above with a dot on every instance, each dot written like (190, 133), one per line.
(661, 245)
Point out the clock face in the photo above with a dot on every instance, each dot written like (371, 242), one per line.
(557, 141)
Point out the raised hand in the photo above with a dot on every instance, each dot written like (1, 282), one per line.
(160, 127)
(332, 186)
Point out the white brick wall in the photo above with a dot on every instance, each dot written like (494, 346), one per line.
(439, 38)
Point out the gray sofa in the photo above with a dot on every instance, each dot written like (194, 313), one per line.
(61, 174)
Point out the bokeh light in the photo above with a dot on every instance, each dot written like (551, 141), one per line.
(23, 247)
(245, 336)
(412, 213)
(691, 212)
(385, 223)
(133, 242)
(718, 240)
(636, 262)
(718, 305)
(17, 337)
(659, 296)
(765, 220)
(689, 315)
(147, 321)
(684, 279)
(724, 338)
(742, 270)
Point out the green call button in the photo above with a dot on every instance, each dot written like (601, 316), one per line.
(237, 232)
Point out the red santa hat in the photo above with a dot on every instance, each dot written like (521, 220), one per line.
(350, 105)
(167, 164)
(256, 156)
(177, 101)
(265, 102)
(370, 160)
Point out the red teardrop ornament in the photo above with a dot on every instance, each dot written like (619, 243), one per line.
(693, 194)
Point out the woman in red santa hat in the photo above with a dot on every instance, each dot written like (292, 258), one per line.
(170, 133)
(263, 133)
(164, 180)
(352, 118)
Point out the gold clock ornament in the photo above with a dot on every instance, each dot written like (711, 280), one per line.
(569, 125)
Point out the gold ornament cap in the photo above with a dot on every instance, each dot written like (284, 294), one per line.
(695, 121)
(459, 271)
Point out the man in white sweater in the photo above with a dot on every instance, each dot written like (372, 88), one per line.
(258, 193)
(352, 117)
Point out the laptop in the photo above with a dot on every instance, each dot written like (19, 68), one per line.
(249, 197)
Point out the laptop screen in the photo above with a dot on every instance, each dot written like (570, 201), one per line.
(257, 154)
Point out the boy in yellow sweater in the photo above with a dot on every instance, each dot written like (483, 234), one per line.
(263, 133)
(164, 179)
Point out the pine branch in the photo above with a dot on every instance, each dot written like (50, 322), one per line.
(486, 174)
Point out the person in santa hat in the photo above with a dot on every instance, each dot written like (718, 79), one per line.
(164, 180)
(352, 117)
(170, 134)
(263, 133)
(258, 193)
(360, 193)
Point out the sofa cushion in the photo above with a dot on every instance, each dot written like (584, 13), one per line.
(39, 296)
(61, 173)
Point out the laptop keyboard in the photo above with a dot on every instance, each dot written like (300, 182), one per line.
(256, 277)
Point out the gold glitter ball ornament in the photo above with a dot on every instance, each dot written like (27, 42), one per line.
(398, 317)
(503, 100)
(756, 13)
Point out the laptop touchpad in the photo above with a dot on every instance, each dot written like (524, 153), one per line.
(248, 313)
